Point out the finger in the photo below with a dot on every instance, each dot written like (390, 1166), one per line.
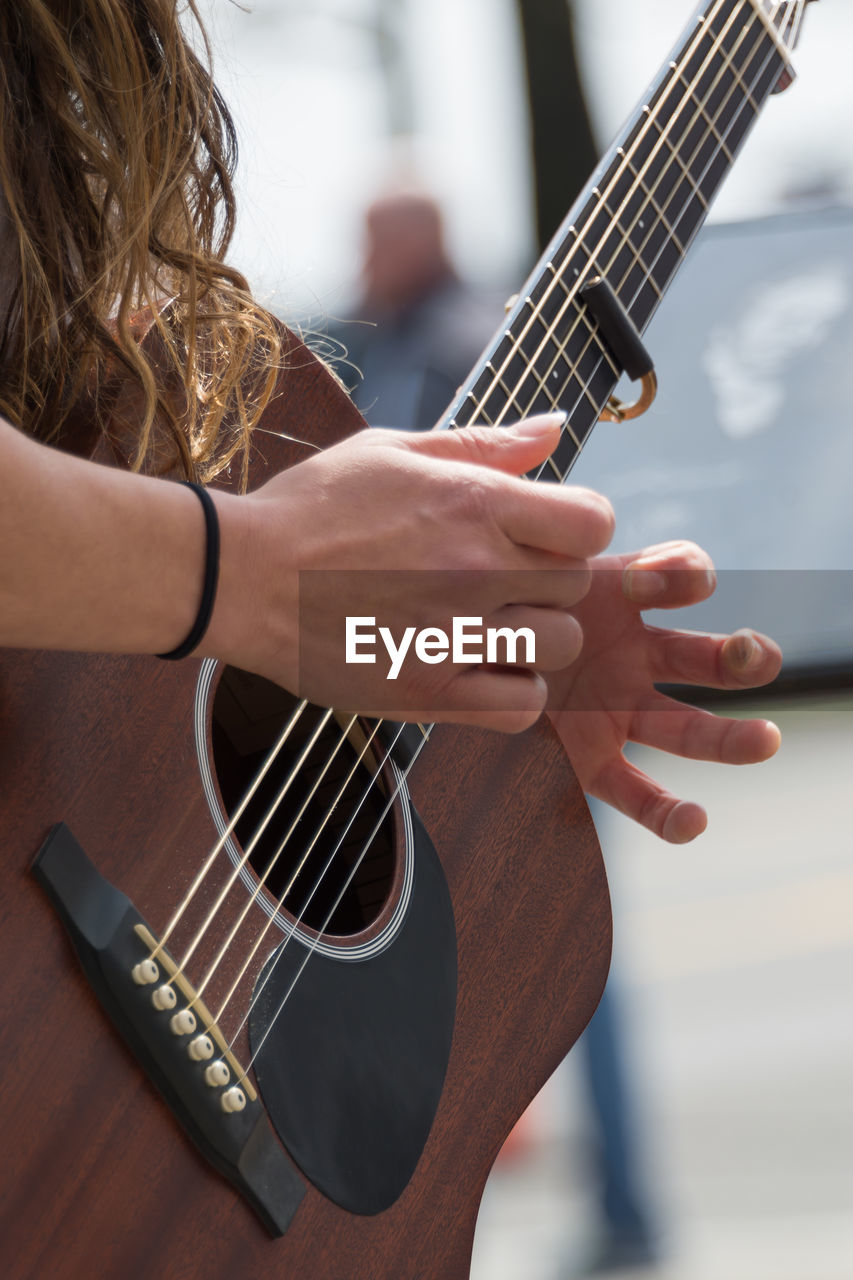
(557, 638)
(509, 701)
(640, 798)
(529, 584)
(514, 449)
(571, 521)
(701, 735)
(744, 660)
(669, 576)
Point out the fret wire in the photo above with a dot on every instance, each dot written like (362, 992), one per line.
(582, 316)
(542, 379)
(693, 44)
(500, 383)
(698, 37)
(695, 153)
(715, 48)
(615, 224)
(627, 243)
(672, 239)
(741, 105)
(769, 21)
(711, 124)
(573, 368)
(591, 323)
(797, 22)
(788, 28)
(478, 411)
(676, 159)
(736, 73)
(690, 48)
(647, 271)
(733, 121)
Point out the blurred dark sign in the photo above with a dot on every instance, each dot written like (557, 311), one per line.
(748, 449)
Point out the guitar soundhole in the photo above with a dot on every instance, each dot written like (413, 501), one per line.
(316, 848)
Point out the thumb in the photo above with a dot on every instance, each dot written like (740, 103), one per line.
(514, 449)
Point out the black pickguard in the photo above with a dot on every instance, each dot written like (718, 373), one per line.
(352, 1070)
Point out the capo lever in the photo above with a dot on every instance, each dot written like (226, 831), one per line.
(623, 338)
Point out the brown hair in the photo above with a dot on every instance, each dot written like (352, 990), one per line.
(116, 162)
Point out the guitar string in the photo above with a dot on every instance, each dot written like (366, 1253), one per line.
(250, 847)
(309, 951)
(796, 21)
(642, 212)
(283, 897)
(299, 920)
(626, 242)
(653, 264)
(635, 187)
(261, 879)
(203, 871)
(674, 161)
(257, 836)
(271, 812)
(355, 866)
(648, 278)
(703, 25)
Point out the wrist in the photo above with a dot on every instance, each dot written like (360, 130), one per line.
(254, 621)
(210, 578)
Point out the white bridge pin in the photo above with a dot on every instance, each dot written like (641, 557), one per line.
(164, 997)
(145, 972)
(200, 1049)
(233, 1099)
(183, 1022)
(217, 1074)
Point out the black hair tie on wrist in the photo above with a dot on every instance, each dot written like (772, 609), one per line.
(211, 576)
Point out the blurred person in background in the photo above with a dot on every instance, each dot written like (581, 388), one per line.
(417, 328)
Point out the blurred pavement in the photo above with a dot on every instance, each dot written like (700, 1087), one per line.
(735, 962)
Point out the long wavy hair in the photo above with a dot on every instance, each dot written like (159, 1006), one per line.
(116, 210)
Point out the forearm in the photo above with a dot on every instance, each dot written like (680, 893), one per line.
(94, 558)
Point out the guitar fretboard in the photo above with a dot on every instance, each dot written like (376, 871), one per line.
(632, 224)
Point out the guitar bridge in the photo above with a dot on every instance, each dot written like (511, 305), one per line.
(159, 1021)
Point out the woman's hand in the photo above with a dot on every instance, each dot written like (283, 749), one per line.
(607, 697)
(410, 531)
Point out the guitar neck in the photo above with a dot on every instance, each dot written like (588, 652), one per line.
(632, 225)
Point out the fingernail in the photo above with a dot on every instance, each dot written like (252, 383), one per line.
(544, 424)
(742, 651)
(642, 585)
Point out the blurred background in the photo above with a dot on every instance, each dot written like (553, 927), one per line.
(706, 1130)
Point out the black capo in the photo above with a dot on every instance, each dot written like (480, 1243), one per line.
(623, 338)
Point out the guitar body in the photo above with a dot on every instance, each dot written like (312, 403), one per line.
(98, 1177)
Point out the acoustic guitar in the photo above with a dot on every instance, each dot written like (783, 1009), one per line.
(276, 982)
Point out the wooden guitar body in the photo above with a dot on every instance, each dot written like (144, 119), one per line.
(98, 1178)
